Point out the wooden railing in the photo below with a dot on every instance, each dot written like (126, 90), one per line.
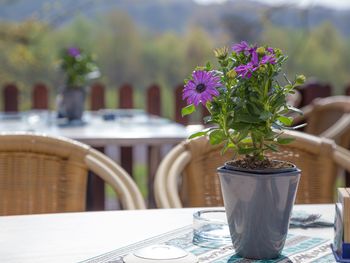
(40, 97)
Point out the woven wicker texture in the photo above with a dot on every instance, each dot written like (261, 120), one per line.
(199, 183)
(328, 117)
(205, 159)
(43, 174)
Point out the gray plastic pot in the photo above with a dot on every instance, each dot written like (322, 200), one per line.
(72, 103)
(258, 207)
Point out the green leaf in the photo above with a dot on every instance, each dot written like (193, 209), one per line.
(216, 136)
(285, 140)
(240, 126)
(288, 87)
(244, 117)
(198, 134)
(246, 150)
(278, 101)
(253, 109)
(188, 110)
(265, 115)
(272, 147)
(242, 135)
(286, 120)
(208, 66)
(227, 146)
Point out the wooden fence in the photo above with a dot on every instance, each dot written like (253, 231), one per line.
(40, 97)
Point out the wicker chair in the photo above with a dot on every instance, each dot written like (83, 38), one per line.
(44, 174)
(328, 117)
(187, 175)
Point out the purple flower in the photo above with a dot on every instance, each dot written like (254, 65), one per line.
(255, 58)
(245, 71)
(268, 59)
(270, 50)
(241, 47)
(201, 88)
(73, 52)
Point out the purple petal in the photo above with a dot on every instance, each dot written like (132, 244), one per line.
(268, 59)
(255, 58)
(240, 47)
(196, 100)
(248, 75)
(73, 51)
(270, 50)
(197, 76)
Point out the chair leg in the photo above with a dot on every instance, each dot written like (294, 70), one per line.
(153, 162)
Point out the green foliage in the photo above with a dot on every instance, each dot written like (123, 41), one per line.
(249, 112)
(78, 66)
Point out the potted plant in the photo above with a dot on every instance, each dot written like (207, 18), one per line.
(79, 67)
(247, 105)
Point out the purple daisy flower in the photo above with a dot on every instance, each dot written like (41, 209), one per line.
(241, 47)
(201, 88)
(268, 59)
(245, 71)
(270, 50)
(255, 58)
(73, 51)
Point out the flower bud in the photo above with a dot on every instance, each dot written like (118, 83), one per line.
(300, 79)
(262, 69)
(231, 74)
(224, 63)
(261, 51)
(278, 52)
(221, 53)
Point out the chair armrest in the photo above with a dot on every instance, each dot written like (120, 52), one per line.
(341, 157)
(338, 130)
(298, 119)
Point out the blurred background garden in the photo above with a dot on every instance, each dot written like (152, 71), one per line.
(160, 41)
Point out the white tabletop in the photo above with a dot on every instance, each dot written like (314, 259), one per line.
(130, 127)
(73, 237)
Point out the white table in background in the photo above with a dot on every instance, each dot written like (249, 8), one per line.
(130, 128)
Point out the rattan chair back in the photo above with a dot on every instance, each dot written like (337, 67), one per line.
(187, 175)
(328, 117)
(44, 174)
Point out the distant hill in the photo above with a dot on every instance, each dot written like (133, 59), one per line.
(175, 15)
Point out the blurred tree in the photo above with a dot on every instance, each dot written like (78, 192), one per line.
(321, 54)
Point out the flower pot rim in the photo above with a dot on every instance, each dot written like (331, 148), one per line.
(227, 168)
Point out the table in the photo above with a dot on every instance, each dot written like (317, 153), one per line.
(129, 128)
(73, 237)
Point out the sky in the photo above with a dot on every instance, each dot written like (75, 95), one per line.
(338, 4)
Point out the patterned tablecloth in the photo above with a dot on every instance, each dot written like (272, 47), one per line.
(301, 249)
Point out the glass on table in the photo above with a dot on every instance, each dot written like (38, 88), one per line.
(36, 120)
(210, 228)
